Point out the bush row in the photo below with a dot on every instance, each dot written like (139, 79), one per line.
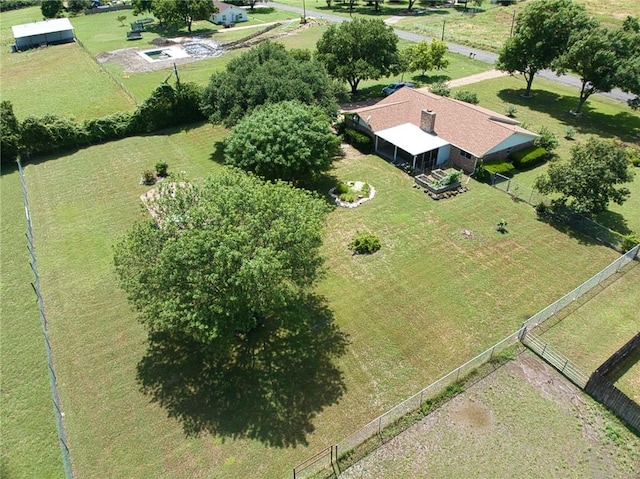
(166, 107)
(358, 140)
(529, 157)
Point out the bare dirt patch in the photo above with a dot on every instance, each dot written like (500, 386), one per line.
(523, 420)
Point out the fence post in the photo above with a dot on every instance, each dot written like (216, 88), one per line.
(380, 427)
(565, 365)
(543, 349)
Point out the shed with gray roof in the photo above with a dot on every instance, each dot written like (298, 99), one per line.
(30, 35)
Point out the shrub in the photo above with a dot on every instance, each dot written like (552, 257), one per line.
(634, 156)
(502, 167)
(51, 133)
(501, 227)
(481, 173)
(161, 169)
(342, 188)
(529, 157)
(511, 111)
(348, 197)
(547, 140)
(570, 133)
(440, 88)
(110, 127)
(358, 140)
(148, 177)
(467, 96)
(451, 177)
(630, 241)
(365, 243)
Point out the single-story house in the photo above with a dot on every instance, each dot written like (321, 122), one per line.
(428, 131)
(227, 14)
(49, 32)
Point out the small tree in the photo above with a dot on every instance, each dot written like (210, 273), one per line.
(51, 8)
(287, 141)
(587, 183)
(547, 139)
(421, 57)
(121, 19)
(10, 136)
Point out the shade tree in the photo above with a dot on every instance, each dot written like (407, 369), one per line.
(267, 73)
(219, 261)
(359, 50)
(542, 33)
(288, 141)
(591, 178)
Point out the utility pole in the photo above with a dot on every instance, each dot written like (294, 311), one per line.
(304, 12)
(444, 22)
(513, 21)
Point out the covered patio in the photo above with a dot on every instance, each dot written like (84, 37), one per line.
(407, 143)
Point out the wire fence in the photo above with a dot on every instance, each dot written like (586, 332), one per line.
(565, 216)
(108, 73)
(57, 408)
(326, 459)
(558, 360)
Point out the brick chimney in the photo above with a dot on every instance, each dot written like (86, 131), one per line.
(428, 121)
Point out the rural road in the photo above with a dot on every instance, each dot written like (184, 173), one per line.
(480, 55)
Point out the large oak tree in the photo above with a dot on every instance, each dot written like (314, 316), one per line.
(221, 259)
(542, 32)
(590, 179)
(267, 73)
(359, 50)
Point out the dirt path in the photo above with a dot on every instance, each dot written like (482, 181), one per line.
(473, 79)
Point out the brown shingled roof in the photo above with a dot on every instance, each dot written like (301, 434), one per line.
(469, 127)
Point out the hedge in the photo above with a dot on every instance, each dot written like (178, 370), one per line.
(358, 140)
(502, 167)
(529, 157)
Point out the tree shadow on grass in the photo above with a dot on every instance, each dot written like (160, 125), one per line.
(218, 153)
(614, 221)
(621, 125)
(270, 388)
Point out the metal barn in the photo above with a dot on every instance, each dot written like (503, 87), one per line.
(35, 34)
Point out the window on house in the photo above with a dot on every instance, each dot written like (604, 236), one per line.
(466, 154)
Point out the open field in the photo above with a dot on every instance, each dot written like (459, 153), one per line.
(522, 421)
(596, 327)
(427, 282)
(62, 80)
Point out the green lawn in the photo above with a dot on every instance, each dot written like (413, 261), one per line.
(61, 79)
(600, 324)
(550, 108)
(427, 282)
(29, 438)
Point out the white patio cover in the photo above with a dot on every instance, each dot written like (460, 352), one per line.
(411, 139)
(41, 28)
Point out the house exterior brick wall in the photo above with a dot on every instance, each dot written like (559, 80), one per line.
(460, 161)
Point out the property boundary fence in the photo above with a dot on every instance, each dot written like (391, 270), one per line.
(601, 389)
(585, 287)
(57, 409)
(108, 73)
(376, 428)
(565, 216)
(558, 360)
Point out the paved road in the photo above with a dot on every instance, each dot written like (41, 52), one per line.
(480, 55)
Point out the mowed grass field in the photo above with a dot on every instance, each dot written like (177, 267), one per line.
(596, 327)
(549, 108)
(61, 80)
(429, 300)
